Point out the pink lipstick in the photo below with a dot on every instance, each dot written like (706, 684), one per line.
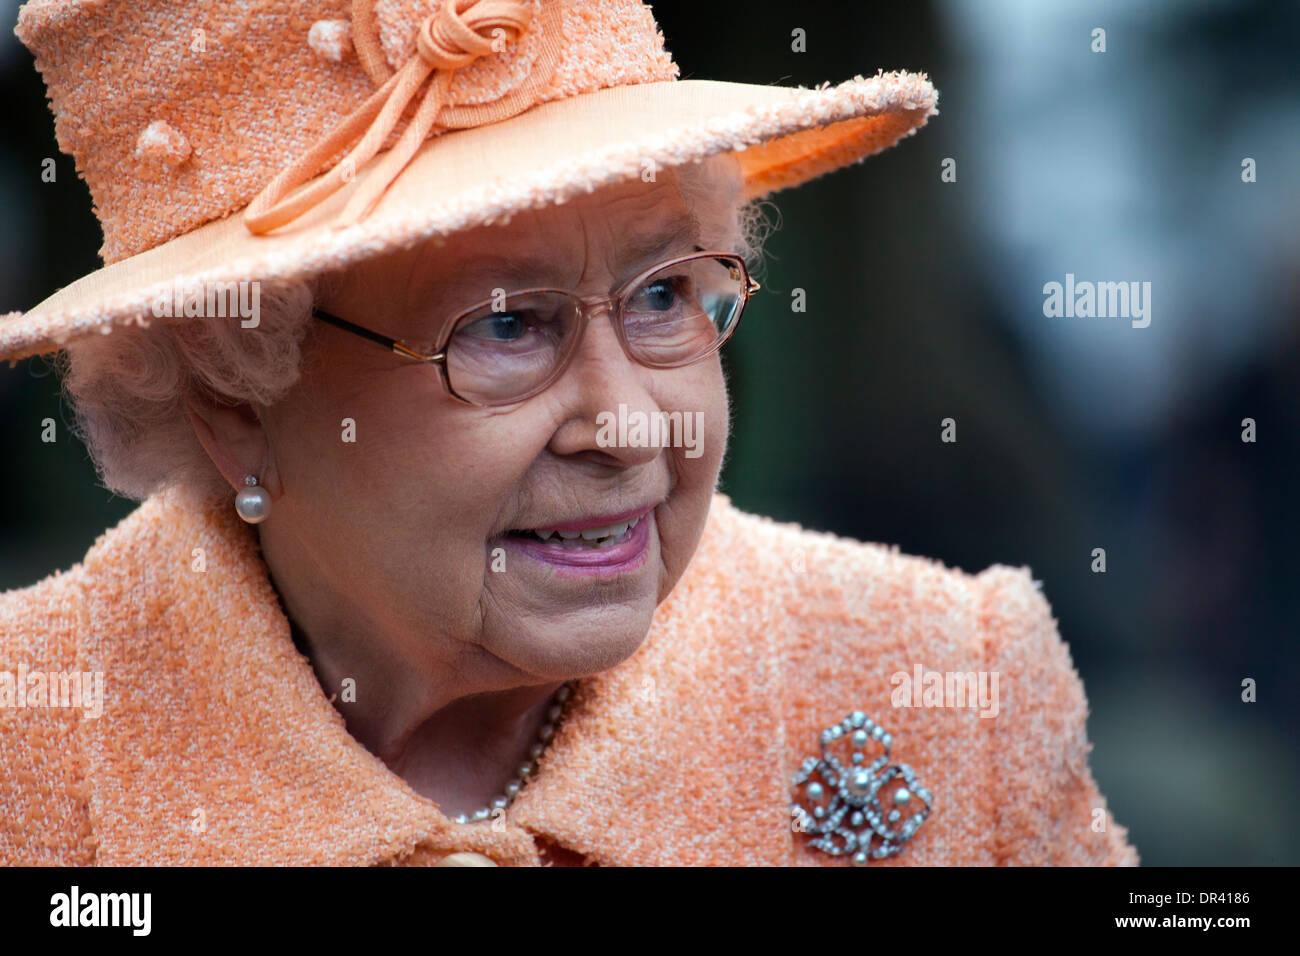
(601, 546)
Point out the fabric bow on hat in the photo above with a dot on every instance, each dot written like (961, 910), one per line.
(453, 36)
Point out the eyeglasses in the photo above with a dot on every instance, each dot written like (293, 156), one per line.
(509, 348)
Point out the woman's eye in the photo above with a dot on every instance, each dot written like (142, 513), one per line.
(498, 327)
(657, 296)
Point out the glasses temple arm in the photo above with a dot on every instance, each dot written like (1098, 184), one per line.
(384, 340)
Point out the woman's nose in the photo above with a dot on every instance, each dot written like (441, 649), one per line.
(602, 380)
(600, 349)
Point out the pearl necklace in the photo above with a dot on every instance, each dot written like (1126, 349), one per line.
(528, 768)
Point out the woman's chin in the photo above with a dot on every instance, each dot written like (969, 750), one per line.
(575, 643)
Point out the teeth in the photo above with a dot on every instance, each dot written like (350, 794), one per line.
(616, 530)
(599, 537)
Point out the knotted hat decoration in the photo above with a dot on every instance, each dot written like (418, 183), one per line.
(456, 34)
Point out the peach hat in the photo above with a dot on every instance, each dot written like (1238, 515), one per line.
(240, 140)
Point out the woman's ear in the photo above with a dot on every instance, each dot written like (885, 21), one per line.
(236, 441)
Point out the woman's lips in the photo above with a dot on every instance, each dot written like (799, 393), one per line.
(569, 560)
(600, 522)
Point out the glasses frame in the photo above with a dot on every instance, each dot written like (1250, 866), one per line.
(588, 307)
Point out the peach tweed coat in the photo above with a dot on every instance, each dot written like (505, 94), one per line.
(216, 744)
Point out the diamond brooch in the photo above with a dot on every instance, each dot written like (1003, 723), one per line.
(852, 802)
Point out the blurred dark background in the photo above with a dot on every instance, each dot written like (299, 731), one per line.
(925, 302)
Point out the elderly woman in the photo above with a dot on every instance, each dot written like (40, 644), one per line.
(431, 566)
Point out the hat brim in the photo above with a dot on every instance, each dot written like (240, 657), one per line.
(783, 136)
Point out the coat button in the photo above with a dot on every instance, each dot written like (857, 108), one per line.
(466, 859)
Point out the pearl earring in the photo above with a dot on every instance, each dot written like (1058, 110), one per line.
(253, 503)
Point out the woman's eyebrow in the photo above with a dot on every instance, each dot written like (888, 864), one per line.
(478, 277)
(679, 234)
(509, 272)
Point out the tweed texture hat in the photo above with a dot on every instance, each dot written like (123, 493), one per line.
(228, 141)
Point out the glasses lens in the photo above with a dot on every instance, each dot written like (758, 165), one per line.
(684, 311)
(497, 355)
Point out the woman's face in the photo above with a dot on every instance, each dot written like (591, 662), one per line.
(400, 503)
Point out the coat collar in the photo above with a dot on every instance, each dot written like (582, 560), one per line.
(217, 744)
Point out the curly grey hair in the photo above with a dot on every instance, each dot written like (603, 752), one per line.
(130, 389)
